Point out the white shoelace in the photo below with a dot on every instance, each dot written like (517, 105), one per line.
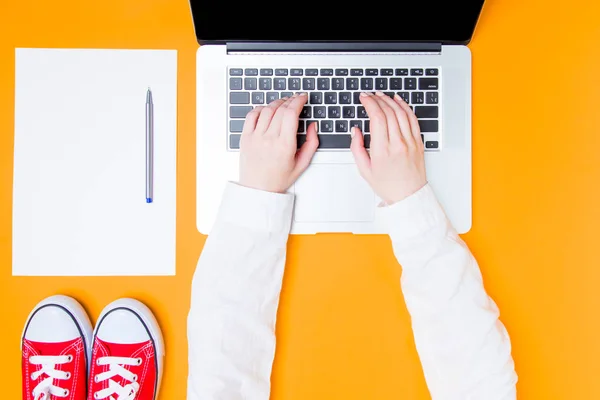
(127, 392)
(45, 388)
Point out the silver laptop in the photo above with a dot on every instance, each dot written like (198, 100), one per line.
(254, 53)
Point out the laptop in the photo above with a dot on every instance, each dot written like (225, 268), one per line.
(253, 53)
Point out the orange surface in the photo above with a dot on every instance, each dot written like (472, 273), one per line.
(343, 329)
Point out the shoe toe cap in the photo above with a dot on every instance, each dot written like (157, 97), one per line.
(52, 324)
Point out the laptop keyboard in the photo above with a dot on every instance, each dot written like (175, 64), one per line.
(333, 99)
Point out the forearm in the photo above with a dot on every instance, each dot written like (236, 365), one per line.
(464, 348)
(235, 295)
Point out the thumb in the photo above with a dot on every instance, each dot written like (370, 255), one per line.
(306, 152)
(362, 158)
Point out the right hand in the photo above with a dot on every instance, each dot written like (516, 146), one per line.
(395, 168)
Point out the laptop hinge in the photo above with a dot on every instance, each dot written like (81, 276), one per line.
(347, 47)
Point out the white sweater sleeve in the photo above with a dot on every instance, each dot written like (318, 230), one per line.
(235, 295)
(464, 348)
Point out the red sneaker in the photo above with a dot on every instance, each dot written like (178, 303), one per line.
(127, 353)
(55, 350)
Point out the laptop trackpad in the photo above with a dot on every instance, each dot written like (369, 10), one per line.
(333, 193)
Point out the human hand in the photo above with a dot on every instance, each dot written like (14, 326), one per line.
(268, 158)
(395, 168)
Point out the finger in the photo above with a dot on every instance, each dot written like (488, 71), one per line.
(267, 114)
(393, 127)
(289, 123)
(379, 135)
(275, 126)
(251, 120)
(412, 118)
(306, 152)
(361, 156)
(402, 118)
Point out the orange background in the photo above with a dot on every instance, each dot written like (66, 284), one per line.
(343, 329)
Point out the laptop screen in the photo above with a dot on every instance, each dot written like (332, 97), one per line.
(448, 21)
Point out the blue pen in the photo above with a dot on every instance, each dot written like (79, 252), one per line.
(149, 147)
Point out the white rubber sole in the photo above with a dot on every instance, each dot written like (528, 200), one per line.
(149, 320)
(76, 311)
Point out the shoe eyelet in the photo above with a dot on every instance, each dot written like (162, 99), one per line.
(69, 358)
(96, 395)
(98, 362)
(135, 378)
(139, 361)
(68, 375)
(66, 392)
(31, 376)
(96, 379)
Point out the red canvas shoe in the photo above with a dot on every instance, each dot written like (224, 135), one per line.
(127, 353)
(55, 350)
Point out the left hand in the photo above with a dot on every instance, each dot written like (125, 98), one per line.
(268, 158)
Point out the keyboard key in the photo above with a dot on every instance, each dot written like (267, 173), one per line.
(308, 83)
(272, 96)
(326, 126)
(264, 83)
(330, 98)
(428, 125)
(250, 83)
(239, 111)
(410, 83)
(426, 111)
(422, 138)
(296, 72)
(431, 98)
(389, 94)
(381, 83)
(279, 83)
(266, 71)
(338, 83)
(258, 97)
(316, 98)
(372, 72)
(348, 112)
(431, 71)
(396, 83)
(345, 98)
(404, 96)
(356, 72)
(319, 112)
(236, 125)
(356, 123)
(236, 72)
(329, 141)
(361, 112)
(341, 72)
(366, 83)
(306, 112)
(367, 126)
(312, 72)
(300, 127)
(416, 71)
(286, 94)
(386, 72)
(294, 83)
(428, 83)
(235, 83)
(251, 72)
(417, 98)
(431, 144)
(323, 83)
(234, 141)
(281, 71)
(239, 98)
(352, 83)
(326, 72)
(341, 126)
(334, 112)
(401, 72)
(356, 96)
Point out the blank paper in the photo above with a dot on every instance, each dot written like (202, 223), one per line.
(79, 205)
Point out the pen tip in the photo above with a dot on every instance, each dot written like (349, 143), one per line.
(148, 200)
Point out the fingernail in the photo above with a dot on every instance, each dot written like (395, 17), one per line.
(363, 94)
(352, 132)
(303, 94)
(378, 93)
(397, 97)
(295, 95)
(284, 98)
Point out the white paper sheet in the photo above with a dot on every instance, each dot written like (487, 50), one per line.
(79, 205)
